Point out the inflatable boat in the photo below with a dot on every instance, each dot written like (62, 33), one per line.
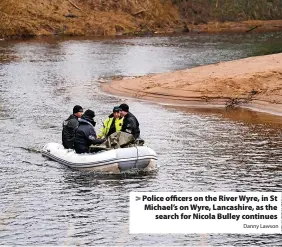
(120, 160)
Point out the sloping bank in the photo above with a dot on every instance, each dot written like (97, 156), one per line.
(254, 82)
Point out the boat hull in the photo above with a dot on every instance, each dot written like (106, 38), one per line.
(133, 159)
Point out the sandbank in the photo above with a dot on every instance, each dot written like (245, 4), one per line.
(254, 82)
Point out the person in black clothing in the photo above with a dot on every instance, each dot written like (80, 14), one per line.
(85, 134)
(69, 126)
(130, 123)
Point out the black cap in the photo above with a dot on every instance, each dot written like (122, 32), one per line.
(89, 113)
(77, 109)
(116, 109)
(124, 107)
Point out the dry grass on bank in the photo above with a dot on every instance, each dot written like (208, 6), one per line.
(122, 17)
(85, 17)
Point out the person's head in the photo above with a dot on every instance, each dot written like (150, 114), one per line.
(89, 113)
(89, 116)
(77, 111)
(116, 112)
(124, 109)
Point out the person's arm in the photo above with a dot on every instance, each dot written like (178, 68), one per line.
(98, 141)
(93, 138)
(92, 134)
(73, 124)
(130, 126)
(103, 130)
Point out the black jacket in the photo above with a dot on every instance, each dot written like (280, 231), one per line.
(85, 135)
(131, 125)
(69, 126)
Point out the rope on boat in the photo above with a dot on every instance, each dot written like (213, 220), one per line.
(135, 165)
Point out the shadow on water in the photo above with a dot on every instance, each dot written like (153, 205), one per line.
(92, 179)
(242, 115)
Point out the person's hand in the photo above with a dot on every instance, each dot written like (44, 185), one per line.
(98, 137)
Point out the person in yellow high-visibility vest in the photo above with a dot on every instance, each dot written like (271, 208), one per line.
(112, 124)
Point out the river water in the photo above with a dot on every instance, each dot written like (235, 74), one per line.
(45, 203)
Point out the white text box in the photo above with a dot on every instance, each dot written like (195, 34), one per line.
(205, 212)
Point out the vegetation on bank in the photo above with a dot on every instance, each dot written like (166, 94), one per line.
(202, 11)
(122, 17)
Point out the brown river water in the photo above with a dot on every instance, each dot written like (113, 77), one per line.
(44, 203)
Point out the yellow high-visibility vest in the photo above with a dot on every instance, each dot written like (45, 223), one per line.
(107, 124)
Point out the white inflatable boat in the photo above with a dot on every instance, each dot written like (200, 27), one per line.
(132, 159)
